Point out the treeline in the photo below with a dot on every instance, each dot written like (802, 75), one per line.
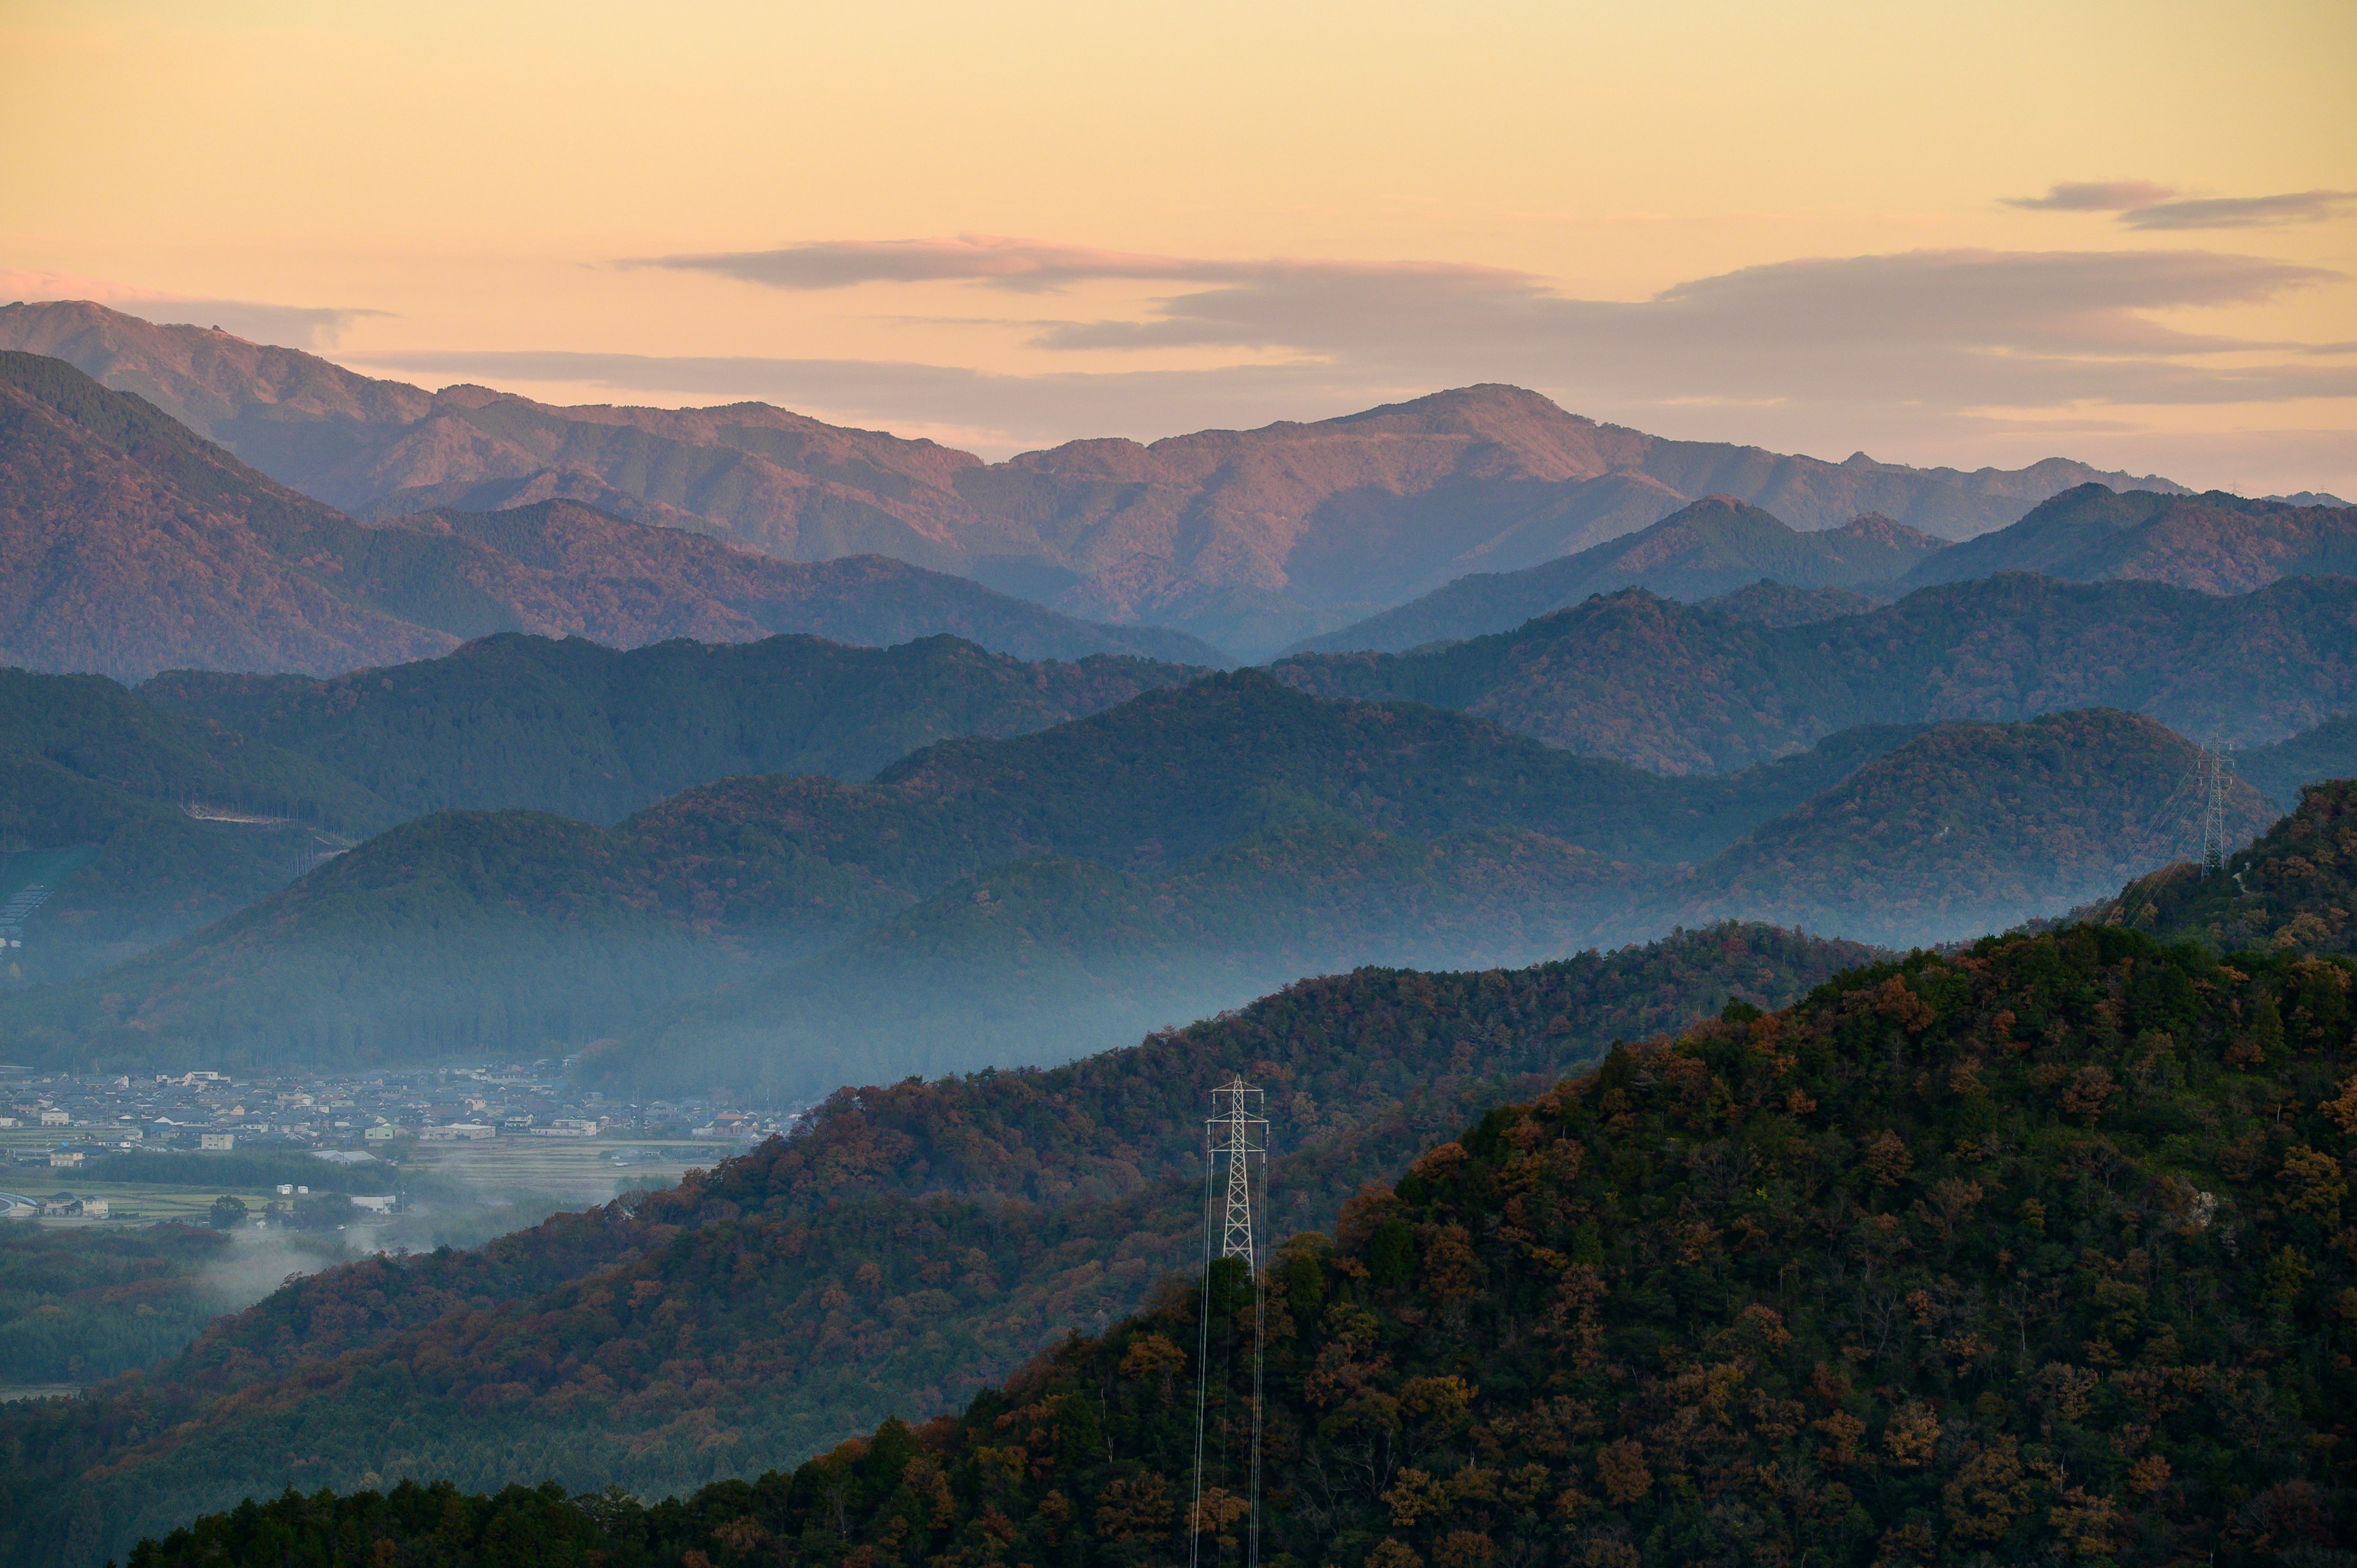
(237, 1169)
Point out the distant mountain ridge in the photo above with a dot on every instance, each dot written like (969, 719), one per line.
(129, 544)
(582, 730)
(1250, 539)
(1015, 901)
(2216, 543)
(1715, 546)
(1682, 688)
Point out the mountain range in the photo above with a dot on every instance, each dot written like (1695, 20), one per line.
(2215, 543)
(1683, 688)
(148, 815)
(1599, 1321)
(1250, 540)
(128, 544)
(580, 729)
(1715, 546)
(1023, 899)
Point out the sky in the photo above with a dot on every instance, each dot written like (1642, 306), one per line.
(1958, 235)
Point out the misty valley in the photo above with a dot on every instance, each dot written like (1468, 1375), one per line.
(1452, 987)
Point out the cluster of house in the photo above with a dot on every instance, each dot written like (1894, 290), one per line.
(81, 1115)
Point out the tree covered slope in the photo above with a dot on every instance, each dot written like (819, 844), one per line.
(2293, 889)
(1684, 689)
(1715, 546)
(2030, 1251)
(585, 731)
(1036, 898)
(2217, 543)
(974, 1217)
(1976, 827)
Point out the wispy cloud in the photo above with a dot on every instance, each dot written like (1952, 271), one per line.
(2244, 211)
(287, 325)
(1816, 351)
(2094, 196)
(2141, 204)
(1024, 266)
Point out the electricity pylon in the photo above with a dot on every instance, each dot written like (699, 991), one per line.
(1238, 1137)
(2213, 811)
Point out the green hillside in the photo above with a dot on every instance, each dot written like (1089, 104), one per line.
(96, 788)
(582, 730)
(1975, 827)
(994, 1210)
(1684, 689)
(2027, 1252)
(487, 932)
(2295, 889)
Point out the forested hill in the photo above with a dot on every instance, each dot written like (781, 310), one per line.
(1682, 689)
(2028, 1253)
(1973, 827)
(913, 1243)
(580, 729)
(1040, 898)
(2217, 543)
(472, 930)
(1715, 546)
(96, 791)
(2293, 889)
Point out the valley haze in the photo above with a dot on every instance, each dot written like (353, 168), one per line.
(680, 687)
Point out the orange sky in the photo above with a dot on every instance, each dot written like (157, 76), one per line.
(1007, 225)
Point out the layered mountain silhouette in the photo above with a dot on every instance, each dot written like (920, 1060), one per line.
(1250, 539)
(2079, 1173)
(149, 814)
(2217, 543)
(2005, 1125)
(1017, 900)
(129, 544)
(1679, 687)
(1713, 547)
(580, 729)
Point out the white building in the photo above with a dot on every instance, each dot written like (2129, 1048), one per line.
(221, 1141)
(458, 1133)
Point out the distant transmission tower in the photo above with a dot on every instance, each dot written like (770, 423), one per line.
(2214, 809)
(1238, 1137)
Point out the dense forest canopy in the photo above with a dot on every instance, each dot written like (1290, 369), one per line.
(917, 1240)
(2030, 1250)
(1685, 689)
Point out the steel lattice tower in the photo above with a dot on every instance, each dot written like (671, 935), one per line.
(1240, 1138)
(2213, 811)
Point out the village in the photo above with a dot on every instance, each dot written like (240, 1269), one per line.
(69, 1143)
